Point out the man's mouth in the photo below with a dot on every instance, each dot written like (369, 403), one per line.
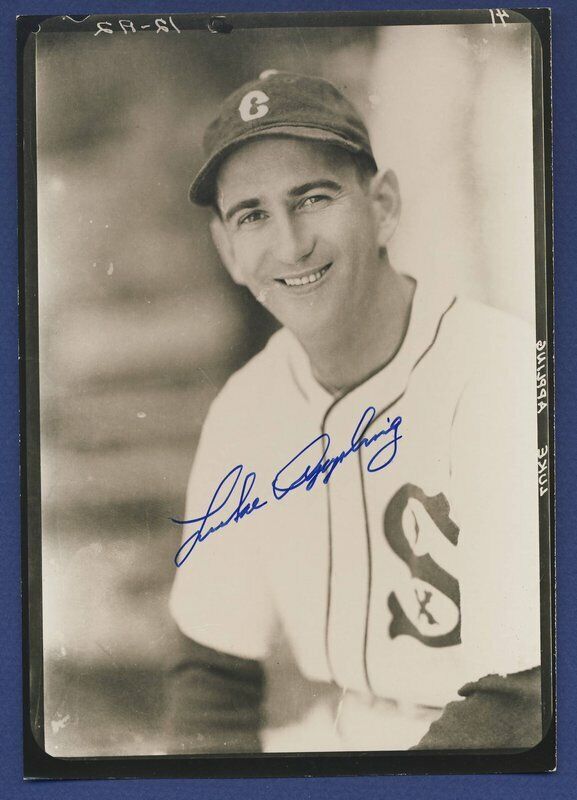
(307, 278)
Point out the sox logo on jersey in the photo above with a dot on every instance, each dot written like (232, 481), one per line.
(423, 567)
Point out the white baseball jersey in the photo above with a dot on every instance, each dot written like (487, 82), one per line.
(400, 582)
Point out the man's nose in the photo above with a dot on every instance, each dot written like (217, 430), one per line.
(293, 241)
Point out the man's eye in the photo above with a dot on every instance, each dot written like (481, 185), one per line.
(254, 216)
(314, 200)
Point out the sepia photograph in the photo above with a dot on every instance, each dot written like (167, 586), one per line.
(288, 404)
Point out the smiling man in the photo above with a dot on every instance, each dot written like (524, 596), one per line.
(413, 589)
(303, 226)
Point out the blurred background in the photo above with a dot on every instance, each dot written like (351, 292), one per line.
(140, 325)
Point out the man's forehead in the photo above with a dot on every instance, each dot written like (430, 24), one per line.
(275, 165)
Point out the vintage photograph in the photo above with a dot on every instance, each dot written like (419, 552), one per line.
(287, 456)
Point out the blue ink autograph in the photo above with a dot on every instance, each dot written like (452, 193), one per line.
(296, 473)
(243, 509)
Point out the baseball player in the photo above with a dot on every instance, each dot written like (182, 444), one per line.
(367, 483)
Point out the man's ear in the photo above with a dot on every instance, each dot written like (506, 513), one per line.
(386, 198)
(222, 243)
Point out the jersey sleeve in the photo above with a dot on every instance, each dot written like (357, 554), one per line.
(213, 700)
(220, 596)
(495, 491)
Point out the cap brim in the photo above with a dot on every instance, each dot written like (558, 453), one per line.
(202, 188)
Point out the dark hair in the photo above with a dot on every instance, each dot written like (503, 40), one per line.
(365, 167)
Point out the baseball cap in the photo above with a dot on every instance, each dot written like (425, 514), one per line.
(279, 104)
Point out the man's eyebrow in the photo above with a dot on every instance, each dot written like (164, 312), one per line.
(252, 202)
(297, 191)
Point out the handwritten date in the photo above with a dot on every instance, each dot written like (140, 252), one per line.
(126, 26)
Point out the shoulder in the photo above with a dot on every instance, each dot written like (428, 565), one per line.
(257, 388)
(486, 323)
(481, 351)
(480, 335)
(492, 370)
(260, 376)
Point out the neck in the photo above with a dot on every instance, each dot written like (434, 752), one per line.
(343, 359)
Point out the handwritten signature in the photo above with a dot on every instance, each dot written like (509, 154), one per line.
(299, 471)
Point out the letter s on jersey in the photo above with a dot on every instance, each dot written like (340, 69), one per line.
(423, 568)
(254, 105)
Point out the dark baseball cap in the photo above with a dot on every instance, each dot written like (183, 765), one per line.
(279, 104)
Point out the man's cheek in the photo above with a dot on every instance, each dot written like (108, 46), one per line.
(337, 228)
(249, 252)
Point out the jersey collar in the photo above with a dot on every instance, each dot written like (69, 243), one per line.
(430, 303)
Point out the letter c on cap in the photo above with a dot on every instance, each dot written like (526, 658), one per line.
(253, 105)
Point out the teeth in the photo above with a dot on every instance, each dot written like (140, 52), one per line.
(306, 278)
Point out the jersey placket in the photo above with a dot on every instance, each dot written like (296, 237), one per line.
(350, 568)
